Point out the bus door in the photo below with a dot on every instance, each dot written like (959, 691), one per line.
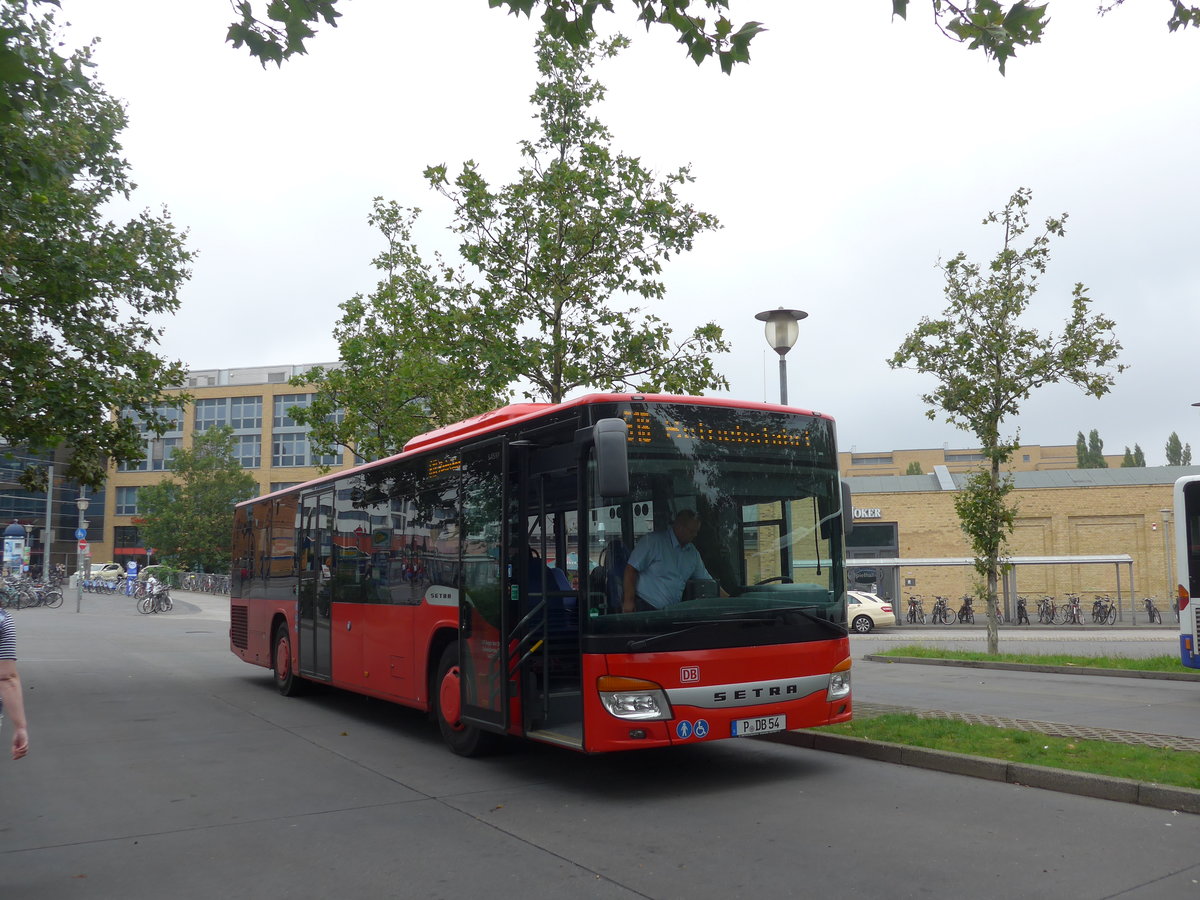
(316, 585)
(483, 585)
(551, 688)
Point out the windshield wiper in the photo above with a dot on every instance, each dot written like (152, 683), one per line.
(813, 617)
(655, 638)
(741, 617)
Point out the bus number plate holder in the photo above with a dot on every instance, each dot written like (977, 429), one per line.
(758, 725)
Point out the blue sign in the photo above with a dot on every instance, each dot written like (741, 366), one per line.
(701, 728)
(683, 730)
(80, 534)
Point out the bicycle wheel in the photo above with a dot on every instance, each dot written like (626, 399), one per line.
(53, 599)
(143, 605)
(1155, 616)
(164, 603)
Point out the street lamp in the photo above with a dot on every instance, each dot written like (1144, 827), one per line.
(782, 330)
(1166, 516)
(80, 554)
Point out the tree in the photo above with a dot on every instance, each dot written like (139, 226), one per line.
(1090, 451)
(1134, 459)
(552, 263)
(189, 516)
(988, 25)
(77, 290)
(389, 388)
(1178, 453)
(986, 362)
(914, 468)
(1095, 454)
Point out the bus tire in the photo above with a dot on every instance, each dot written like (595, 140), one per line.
(463, 739)
(287, 682)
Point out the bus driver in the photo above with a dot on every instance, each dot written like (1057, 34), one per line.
(661, 565)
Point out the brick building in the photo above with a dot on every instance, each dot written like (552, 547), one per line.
(1031, 458)
(1073, 512)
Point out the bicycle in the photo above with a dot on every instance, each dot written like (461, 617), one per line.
(1022, 611)
(1106, 614)
(1046, 610)
(1070, 612)
(916, 614)
(966, 612)
(1152, 612)
(156, 600)
(942, 613)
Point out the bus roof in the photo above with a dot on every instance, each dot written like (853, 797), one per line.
(517, 412)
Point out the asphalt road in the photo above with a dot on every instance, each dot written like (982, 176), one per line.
(163, 766)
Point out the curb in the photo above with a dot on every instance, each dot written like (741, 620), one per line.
(1123, 790)
(1033, 667)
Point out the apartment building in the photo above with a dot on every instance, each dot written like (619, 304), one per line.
(271, 445)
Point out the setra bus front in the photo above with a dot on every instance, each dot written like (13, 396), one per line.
(745, 634)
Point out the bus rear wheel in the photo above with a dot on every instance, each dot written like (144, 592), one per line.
(463, 739)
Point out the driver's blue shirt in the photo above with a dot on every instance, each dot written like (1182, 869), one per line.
(664, 567)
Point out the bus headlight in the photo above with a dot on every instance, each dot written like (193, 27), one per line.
(633, 698)
(839, 682)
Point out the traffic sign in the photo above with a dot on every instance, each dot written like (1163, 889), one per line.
(83, 546)
(80, 534)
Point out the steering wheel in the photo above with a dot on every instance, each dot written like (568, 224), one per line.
(782, 578)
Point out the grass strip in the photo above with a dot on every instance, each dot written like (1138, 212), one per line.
(1138, 664)
(1148, 764)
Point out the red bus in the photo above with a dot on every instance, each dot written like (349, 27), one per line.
(478, 575)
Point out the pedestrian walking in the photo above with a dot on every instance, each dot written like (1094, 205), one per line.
(11, 701)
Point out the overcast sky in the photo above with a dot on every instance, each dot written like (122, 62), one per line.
(849, 156)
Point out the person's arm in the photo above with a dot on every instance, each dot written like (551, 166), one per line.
(14, 706)
(629, 594)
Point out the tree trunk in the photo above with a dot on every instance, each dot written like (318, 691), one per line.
(993, 576)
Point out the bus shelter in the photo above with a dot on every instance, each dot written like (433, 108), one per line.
(1010, 574)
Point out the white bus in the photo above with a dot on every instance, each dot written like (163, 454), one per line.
(1187, 567)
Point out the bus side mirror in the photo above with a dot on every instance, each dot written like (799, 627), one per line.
(847, 509)
(611, 437)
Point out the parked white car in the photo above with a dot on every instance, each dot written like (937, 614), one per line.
(866, 612)
(108, 571)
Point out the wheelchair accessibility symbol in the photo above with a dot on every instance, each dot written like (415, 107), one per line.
(685, 729)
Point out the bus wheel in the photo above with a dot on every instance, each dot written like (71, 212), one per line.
(287, 681)
(463, 739)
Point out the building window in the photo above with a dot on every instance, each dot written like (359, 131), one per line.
(964, 457)
(291, 449)
(283, 403)
(283, 485)
(245, 413)
(127, 536)
(247, 449)
(160, 451)
(211, 413)
(871, 461)
(126, 501)
(326, 459)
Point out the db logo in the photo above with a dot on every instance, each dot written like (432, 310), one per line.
(689, 674)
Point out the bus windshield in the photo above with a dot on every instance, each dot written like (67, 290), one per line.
(730, 535)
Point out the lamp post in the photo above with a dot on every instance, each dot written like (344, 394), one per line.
(1166, 517)
(80, 554)
(782, 330)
